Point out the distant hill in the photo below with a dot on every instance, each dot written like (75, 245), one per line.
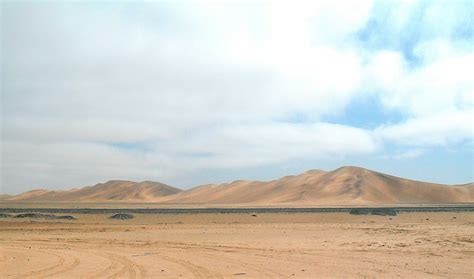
(4, 196)
(343, 186)
(346, 185)
(114, 190)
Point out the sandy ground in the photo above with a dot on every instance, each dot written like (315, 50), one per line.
(306, 245)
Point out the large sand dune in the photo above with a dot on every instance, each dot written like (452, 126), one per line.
(343, 186)
(114, 190)
(346, 185)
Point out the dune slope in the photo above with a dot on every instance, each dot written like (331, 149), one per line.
(114, 190)
(343, 186)
(346, 185)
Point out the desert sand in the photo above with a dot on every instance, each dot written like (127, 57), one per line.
(343, 186)
(270, 245)
(113, 190)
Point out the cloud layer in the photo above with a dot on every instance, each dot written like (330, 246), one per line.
(95, 91)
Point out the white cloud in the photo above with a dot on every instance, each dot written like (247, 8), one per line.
(67, 164)
(240, 146)
(201, 85)
(434, 90)
(63, 163)
(410, 154)
(445, 84)
(407, 154)
(444, 128)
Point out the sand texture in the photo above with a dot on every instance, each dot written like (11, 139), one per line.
(343, 186)
(271, 245)
(114, 190)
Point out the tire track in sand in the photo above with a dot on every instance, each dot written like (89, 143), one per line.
(64, 262)
(119, 267)
(65, 267)
(196, 270)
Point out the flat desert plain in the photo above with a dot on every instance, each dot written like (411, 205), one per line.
(268, 245)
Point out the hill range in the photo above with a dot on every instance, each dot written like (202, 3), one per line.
(343, 186)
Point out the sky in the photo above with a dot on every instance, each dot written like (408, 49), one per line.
(196, 92)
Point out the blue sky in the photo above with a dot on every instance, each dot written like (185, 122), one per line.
(195, 92)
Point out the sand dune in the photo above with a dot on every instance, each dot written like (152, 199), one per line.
(4, 196)
(346, 185)
(343, 186)
(114, 190)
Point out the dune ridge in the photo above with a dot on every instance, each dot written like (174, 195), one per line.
(114, 190)
(346, 185)
(343, 186)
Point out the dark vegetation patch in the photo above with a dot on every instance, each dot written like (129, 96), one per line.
(457, 208)
(45, 216)
(374, 211)
(66, 217)
(122, 216)
(5, 215)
